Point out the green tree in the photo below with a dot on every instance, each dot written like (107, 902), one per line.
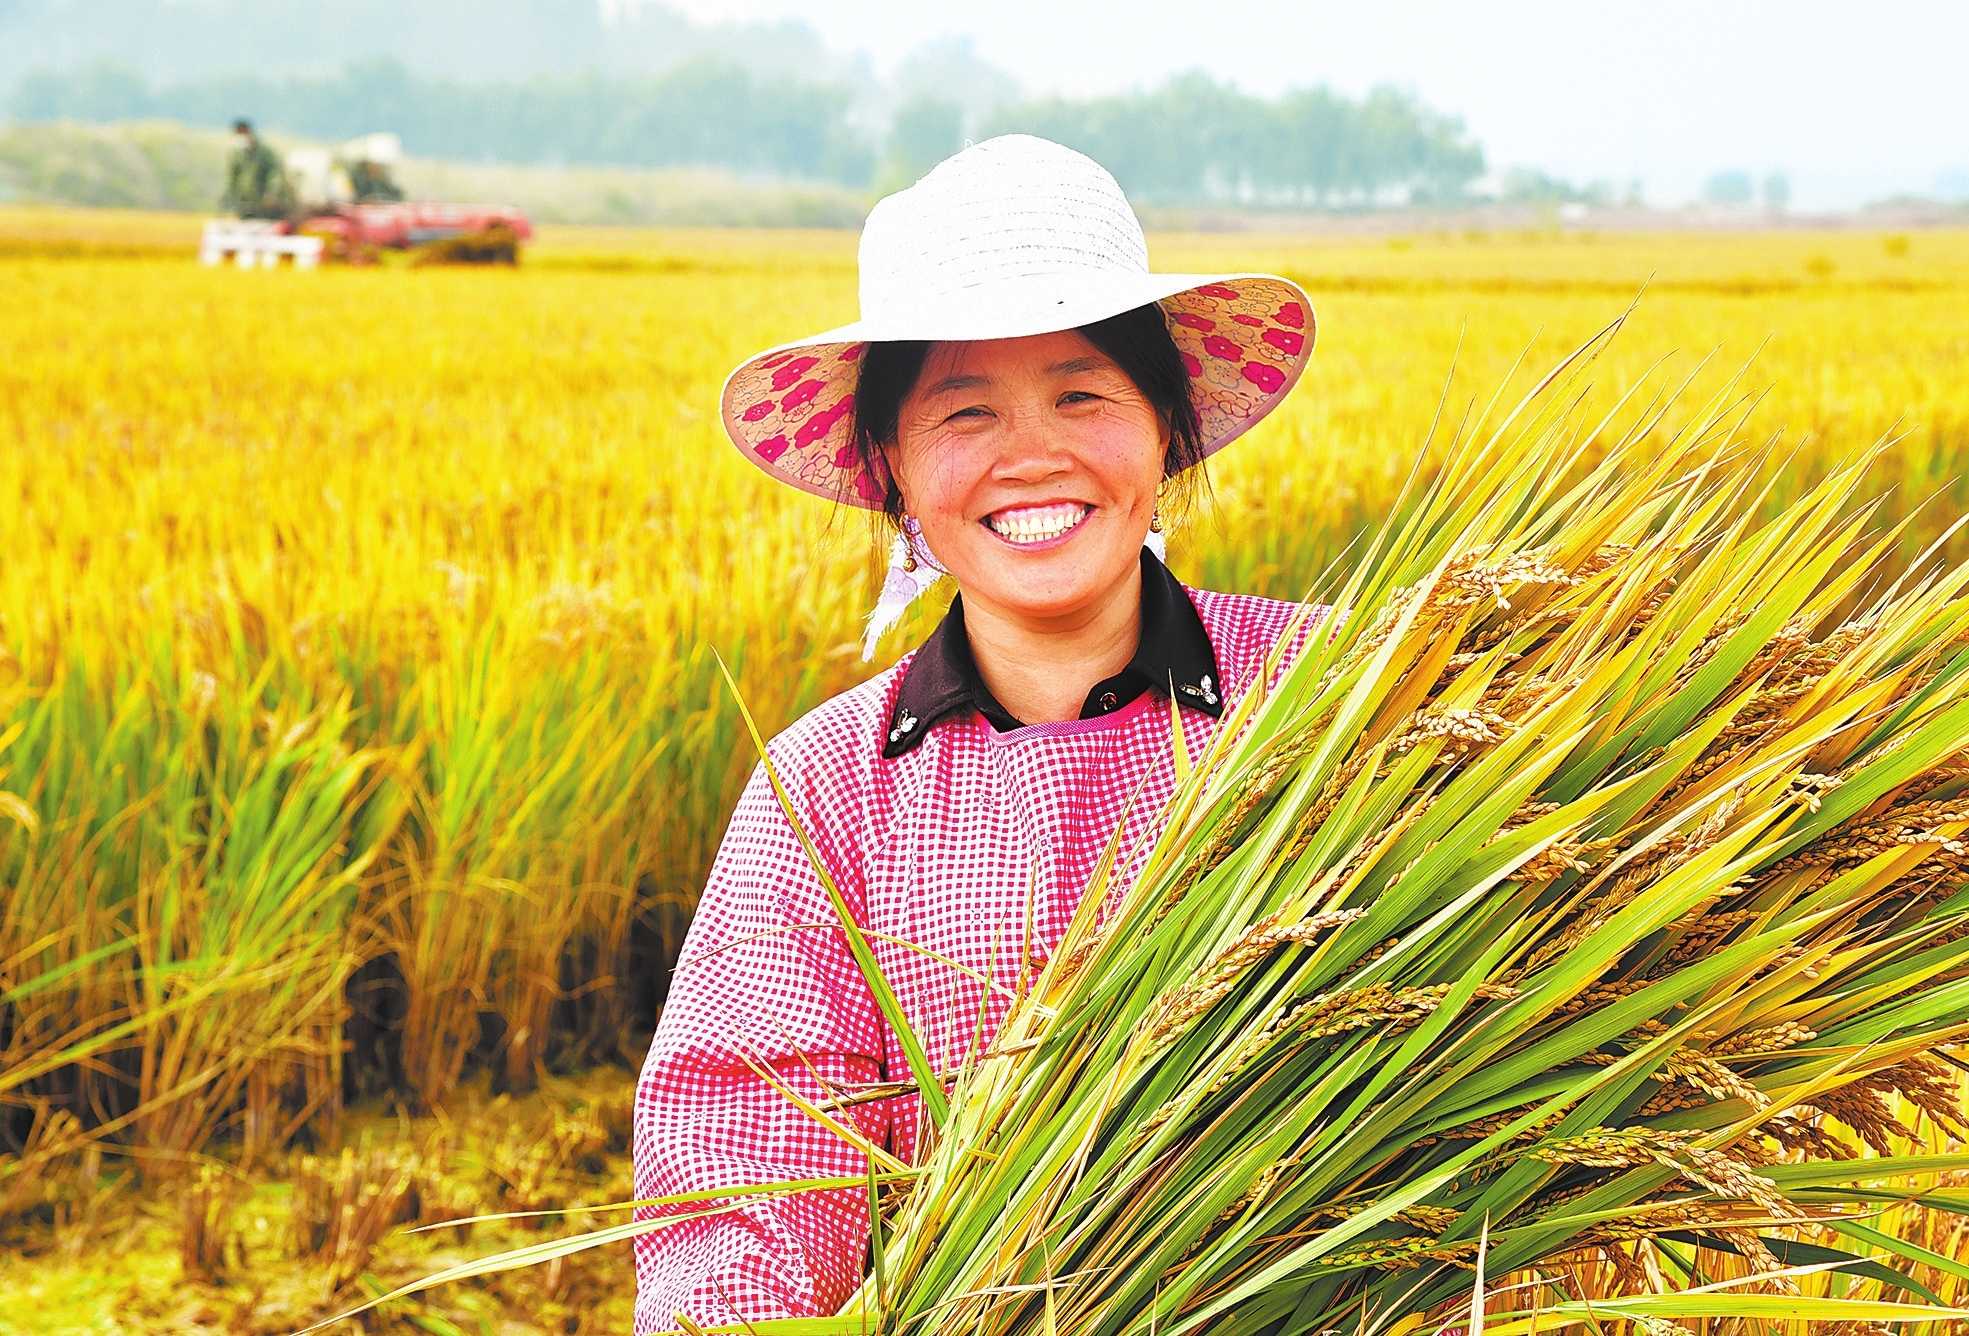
(950, 69)
(1731, 189)
(1306, 159)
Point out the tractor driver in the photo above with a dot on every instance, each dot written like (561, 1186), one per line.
(256, 183)
(372, 184)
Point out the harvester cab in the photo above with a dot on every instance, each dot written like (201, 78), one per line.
(368, 164)
(358, 171)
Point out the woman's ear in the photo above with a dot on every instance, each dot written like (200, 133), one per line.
(888, 472)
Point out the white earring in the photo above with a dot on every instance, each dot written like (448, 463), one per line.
(913, 568)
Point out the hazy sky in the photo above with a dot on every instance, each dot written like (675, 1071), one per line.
(1853, 100)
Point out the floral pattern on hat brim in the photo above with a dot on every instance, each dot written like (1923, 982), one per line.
(1244, 342)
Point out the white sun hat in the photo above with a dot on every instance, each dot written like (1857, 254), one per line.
(1013, 236)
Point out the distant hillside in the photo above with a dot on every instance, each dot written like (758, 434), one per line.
(158, 165)
(132, 166)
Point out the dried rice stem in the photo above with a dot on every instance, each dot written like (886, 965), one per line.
(1528, 813)
(1760, 1256)
(1674, 1097)
(1797, 1134)
(1407, 1253)
(1770, 1039)
(1594, 996)
(1705, 1073)
(1760, 714)
(1647, 1220)
(1479, 1128)
(1705, 928)
(1462, 586)
(1262, 781)
(1936, 776)
(1462, 730)
(1719, 635)
(1627, 1148)
(1241, 955)
(1666, 852)
(1560, 857)
(1435, 1219)
(1322, 1017)
(1899, 828)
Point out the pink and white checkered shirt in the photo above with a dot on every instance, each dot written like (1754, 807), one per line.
(974, 844)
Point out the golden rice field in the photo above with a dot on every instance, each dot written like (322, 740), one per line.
(361, 732)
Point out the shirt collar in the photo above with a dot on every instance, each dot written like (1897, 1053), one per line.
(942, 679)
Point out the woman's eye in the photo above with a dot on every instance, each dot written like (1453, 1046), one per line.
(968, 412)
(1077, 396)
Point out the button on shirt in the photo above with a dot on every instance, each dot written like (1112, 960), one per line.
(966, 837)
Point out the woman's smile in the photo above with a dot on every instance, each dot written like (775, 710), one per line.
(1038, 527)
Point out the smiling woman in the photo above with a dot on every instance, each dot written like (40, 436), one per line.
(1131, 355)
(1018, 398)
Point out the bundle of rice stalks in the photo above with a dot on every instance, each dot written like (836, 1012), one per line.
(1572, 889)
(1595, 874)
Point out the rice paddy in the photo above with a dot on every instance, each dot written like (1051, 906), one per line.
(360, 730)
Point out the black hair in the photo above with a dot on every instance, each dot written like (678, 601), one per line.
(1136, 341)
(242, 126)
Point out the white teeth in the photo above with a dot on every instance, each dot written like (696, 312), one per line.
(1036, 526)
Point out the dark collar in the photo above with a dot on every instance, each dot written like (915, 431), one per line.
(942, 679)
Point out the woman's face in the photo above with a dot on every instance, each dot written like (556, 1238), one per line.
(1032, 465)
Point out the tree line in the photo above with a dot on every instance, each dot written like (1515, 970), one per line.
(1195, 139)
(1191, 140)
(179, 40)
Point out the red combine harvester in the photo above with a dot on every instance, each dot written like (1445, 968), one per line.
(352, 209)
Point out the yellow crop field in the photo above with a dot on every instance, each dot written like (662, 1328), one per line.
(361, 729)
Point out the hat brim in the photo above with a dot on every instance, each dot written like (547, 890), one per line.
(1244, 339)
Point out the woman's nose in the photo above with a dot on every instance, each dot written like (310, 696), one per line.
(1030, 449)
